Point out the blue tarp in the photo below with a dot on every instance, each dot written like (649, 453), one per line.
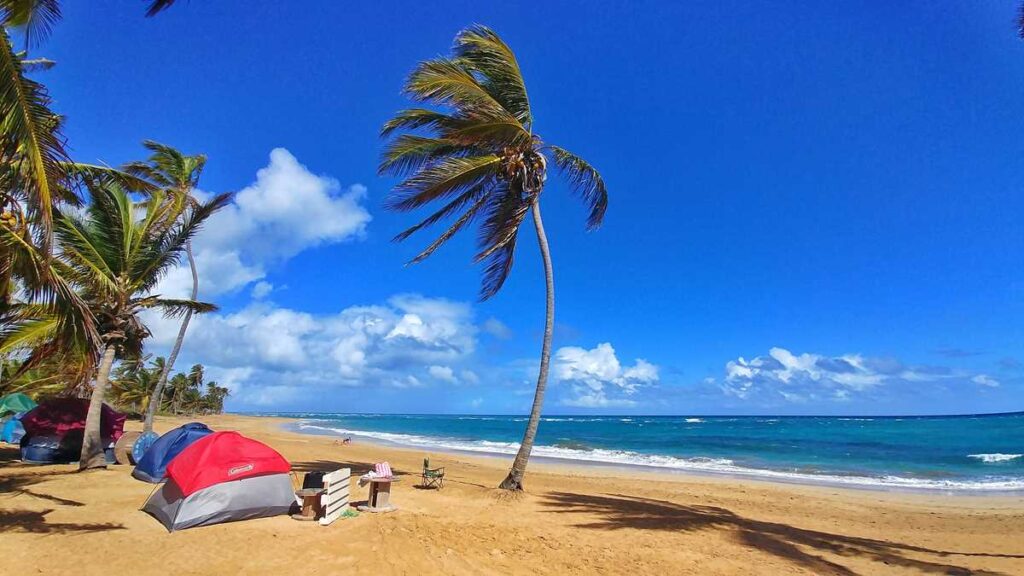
(12, 430)
(153, 465)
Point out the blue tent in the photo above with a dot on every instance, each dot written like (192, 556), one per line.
(12, 430)
(152, 467)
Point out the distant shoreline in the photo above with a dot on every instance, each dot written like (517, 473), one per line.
(302, 425)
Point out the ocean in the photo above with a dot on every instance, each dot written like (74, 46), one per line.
(953, 453)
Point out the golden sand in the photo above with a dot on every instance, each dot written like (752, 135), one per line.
(588, 520)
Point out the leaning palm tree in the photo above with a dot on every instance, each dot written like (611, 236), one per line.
(480, 157)
(116, 253)
(177, 175)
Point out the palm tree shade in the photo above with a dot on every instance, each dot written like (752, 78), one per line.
(475, 152)
(115, 254)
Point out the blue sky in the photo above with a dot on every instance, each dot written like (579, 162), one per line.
(814, 209)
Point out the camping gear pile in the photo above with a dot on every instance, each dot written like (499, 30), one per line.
(55, 428)
(216, 477)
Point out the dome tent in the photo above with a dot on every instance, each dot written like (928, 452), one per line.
(222, 477)
(55, 428)
(16, 402)
(12, 431)
(153, 465)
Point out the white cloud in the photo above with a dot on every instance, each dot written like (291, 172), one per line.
(261, 290)
(271, 395)
(287, 209)
(985, 380)
(497, 328)
(443, 373)
(598, 378)
(804, 377)
(469, 377)
(359, 346)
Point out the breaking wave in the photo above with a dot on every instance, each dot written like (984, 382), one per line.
(993, 458)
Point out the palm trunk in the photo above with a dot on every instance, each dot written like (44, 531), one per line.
(92, 445)
(514, 480)
(154, 401)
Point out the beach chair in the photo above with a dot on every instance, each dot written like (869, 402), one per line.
(432, 477)
(335, 498)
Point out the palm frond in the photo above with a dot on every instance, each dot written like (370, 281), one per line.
(164, 251)
(414, 118)
(445, 82)
(495, 133)
(99, 174)
(175, 308)
(158, 6)
(35, 17)
(27, 332)
(472, 195)
(497, 269)
(466, 217)
(447, 177)
(29, 65)
(409, 152)
(80, 248)
(479, 49)
(505, 214)
(49, 289)
(29, 127)
(585, 181)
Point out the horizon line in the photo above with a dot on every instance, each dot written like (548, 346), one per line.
(969, 415)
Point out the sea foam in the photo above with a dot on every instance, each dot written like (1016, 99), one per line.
(993, 458)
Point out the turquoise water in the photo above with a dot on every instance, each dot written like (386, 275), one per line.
(952, 453)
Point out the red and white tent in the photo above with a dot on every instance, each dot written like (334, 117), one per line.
(222, 477)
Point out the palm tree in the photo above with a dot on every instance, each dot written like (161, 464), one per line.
(116, 253)
(178, 175)
(132, 382)
(481, 157)
(31, 156)
(36, 176)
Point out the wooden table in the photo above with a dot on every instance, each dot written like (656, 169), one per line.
(311, 506)
(380, 496)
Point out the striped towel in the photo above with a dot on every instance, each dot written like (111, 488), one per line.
(383, 470)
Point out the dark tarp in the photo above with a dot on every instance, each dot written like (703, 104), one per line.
(54, 430)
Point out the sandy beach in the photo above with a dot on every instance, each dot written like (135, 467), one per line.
(572, 520)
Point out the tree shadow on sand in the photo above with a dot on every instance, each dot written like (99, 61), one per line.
(783, 540)
(33, 522)
(15, 480)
